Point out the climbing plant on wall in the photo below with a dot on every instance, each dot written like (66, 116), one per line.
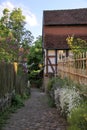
(77, 45)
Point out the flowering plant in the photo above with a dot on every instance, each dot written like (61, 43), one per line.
(66, 99)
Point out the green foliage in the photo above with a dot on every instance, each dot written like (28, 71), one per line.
(73, 106)
(57, 82)
(77, 45)
(73, 128)
(78, 118)
(3, 117)
(17, 102)
(26, 95)
(17, 23)
(14, 35)
(35, 55)
(34, 74)
(22, 35)
(35, 60)
(50, 91)
(5, 56)
(51, 102)
(35, 78)
(50, 84)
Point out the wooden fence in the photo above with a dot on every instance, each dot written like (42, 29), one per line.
(74, 69)
(7, 78)
(12, 80)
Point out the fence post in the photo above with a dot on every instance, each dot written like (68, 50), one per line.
(86, 63)
(15, 67)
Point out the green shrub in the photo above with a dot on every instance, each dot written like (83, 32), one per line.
(73, 128)
(51, 102)
(3, 117)
(78, 118)
(17, 101)
(26, 95)
(33, 74)
(35, 78)
(51, 83)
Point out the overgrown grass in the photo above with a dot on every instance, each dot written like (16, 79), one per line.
(78, 118)
(17, 102)
(51, 102)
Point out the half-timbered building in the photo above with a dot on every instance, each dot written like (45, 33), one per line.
(57, 26)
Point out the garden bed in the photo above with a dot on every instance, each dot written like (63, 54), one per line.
(69, 99)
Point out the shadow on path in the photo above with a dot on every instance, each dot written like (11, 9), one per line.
(36, 115)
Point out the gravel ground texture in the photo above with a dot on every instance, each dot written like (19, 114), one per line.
(36, 115)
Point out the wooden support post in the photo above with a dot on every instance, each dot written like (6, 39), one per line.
(86, 63)
(56, 62)
(46, 62)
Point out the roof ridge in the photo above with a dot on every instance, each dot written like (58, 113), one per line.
(64, 9)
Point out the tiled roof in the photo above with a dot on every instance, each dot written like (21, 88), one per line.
(65, 17)
(58, 41)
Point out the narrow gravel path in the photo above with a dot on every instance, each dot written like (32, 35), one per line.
(36, 115)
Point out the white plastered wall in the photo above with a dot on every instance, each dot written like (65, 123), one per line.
(52, 59)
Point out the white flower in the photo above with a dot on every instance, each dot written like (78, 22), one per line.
(68, 99)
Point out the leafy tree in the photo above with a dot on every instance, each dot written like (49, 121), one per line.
(4, 55)
(9, 47)
(4, 29)
(17, 22)
(23, 36)
(35, 60)
(26, 43)
(13, 33)
(35, 54)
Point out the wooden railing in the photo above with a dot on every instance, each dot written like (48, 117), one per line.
(74, 69)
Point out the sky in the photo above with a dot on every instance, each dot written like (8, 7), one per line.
(33, 10)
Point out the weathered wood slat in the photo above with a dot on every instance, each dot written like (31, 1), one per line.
(75, 69)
